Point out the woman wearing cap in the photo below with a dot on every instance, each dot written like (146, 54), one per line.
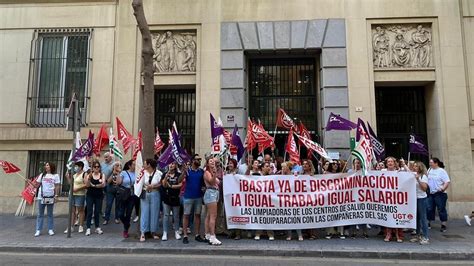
(78, 196)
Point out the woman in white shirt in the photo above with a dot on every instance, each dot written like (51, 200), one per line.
(48, 183)
(150, 200)
(421, 199)
(438, 181)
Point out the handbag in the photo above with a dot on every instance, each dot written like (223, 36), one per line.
(45, 200)
(123, 193)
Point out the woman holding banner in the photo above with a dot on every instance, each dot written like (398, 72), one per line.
(286, 169)
(211, 197)
(308, 169)
(356, 167)
(421, 202)
(48, 183)
(391, 165)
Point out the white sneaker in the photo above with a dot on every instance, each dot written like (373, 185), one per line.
(164, 237)
(99, 231)
(135, 219)
(257, 237)
(51, 232)
(214, 241)
(180, 230)
(72, 230)
(424, 241)
(88, 232)
(271, 238)
(37, 233)
(467, 219)
(81, 229)
(177, 235)
(76, 223)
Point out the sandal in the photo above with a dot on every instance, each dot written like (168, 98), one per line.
(313, 237)
(156, 236)
(142, 238)
(288, 238)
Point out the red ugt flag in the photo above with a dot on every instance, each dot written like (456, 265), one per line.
(292, 149)
(124, 136)
(284, 120)
(8, 167)
(138, 146)
(158, 145)
(101, 140)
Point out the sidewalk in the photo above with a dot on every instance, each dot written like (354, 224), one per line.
(16, 234)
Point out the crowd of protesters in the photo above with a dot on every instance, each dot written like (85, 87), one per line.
(173, 198)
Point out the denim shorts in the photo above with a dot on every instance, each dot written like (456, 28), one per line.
(211, 196)
(79, 201)
(189, 204)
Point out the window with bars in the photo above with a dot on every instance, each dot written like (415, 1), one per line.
(176, 105)
(288, 83)
(59, 67)
(37, 160)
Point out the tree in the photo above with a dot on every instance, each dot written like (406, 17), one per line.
(147, 108)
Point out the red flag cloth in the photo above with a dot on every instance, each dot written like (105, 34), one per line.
(249, 140)
(124, 136)
(29, 192)
(261, 137)
(138, 146)
(8, 167)
(101, 140)
(284, 120)
(159, 144)
(292, 149)
(303, 131)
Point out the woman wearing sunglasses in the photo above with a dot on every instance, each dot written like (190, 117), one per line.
(95, 183)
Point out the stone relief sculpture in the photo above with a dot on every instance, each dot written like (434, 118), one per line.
(401, 46)
(175, 51)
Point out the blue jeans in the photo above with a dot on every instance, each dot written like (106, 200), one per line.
(94, 204)
(166, 216)
(421, 221)
(437, 200)
(110, 197)
(150, 212)
(40, 217)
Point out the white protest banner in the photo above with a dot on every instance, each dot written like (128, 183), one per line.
(284, 202)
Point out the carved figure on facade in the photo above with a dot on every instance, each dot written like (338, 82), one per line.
(401, 46)
(174, 51)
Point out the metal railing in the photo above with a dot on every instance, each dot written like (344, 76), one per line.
(52, 111)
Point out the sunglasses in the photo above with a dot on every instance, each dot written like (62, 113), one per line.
(96, 166)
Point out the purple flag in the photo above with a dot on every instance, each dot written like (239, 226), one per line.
(86, 148)
(336, 122)
(174, 152)
(216, 129)
(416, 145)
(379, 149)
(237, 142)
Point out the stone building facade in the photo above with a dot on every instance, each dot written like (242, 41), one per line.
(241, 59)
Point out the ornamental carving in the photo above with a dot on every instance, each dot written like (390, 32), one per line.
(402, 46)
(175, 51)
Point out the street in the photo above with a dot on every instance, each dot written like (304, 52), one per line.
(161, 259)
